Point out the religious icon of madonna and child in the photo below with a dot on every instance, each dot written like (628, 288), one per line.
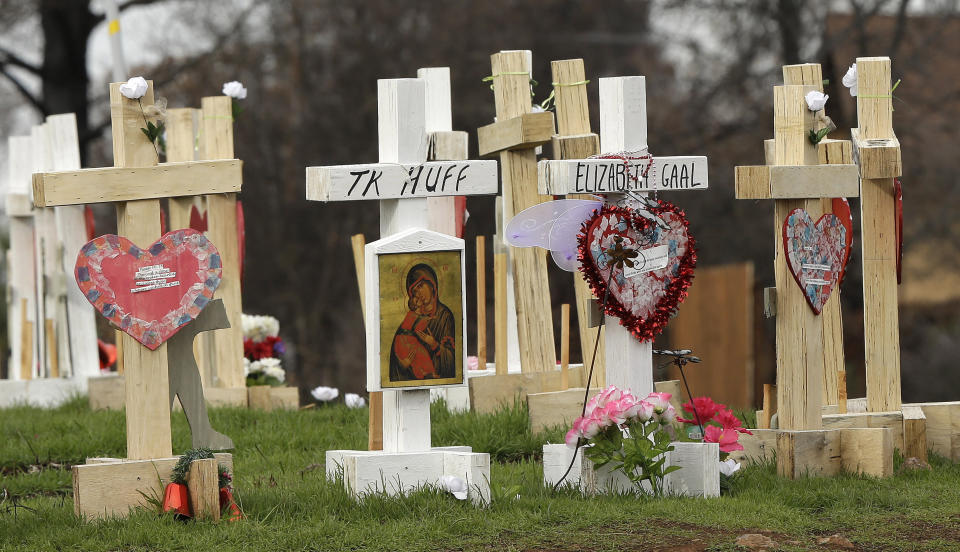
(421, 304)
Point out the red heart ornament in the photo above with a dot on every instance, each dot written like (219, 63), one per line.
(816, 254)
(841, 208)
(643, 299)
(149, 294)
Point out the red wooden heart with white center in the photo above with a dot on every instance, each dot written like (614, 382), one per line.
(816, 254)
(646, 296)
(149, 294)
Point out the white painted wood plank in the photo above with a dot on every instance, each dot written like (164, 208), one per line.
(44, 230)
(22, 283)
(378, 181)
(613, 176)
(77, 330)
(699, 473)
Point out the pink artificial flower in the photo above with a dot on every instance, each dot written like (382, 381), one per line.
(660, 401)
(702, 410)
(729, 421)
(669, 415)
(727, 439)
(602, 398)
(573, 436)
(645, 411)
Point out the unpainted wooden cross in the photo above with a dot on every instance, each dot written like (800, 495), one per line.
(623, 127)
(136, 184)
(402, 182)
(797, 178)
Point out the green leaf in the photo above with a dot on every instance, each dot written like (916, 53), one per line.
(671, 469)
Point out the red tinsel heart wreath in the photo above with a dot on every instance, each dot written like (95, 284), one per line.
(644, 301)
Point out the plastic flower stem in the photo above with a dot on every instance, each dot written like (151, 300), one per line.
(685, 384)
(586, 393)
(144, 115)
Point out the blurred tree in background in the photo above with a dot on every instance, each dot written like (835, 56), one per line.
(311, 69)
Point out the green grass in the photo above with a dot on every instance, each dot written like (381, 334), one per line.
(290, 506)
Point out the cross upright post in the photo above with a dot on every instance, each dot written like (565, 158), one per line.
(135, 184)
(629, 362)
(403, 182)
(878, 151)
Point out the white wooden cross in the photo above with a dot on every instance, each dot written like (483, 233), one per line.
(402, 182)
(623, 127)
(629, 362)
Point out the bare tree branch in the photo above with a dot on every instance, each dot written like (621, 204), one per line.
(122, 6)
(34, 101)
(17, 61)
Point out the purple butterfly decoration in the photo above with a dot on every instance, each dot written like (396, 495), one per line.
(552, 225)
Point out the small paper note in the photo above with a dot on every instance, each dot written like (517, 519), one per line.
(648, 260)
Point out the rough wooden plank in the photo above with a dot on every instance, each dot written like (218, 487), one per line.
(808, 453)
(377, 181)
(867, 451)
(285, 398)
(500, 312)
(799, 330)
(914, 433)
(574, 140)
(182, 125)
(757, 448)
(797, 182)
(448, 145)
(108, 488)
(942, 428)
(525, 131)
(259, 397)
(889, 420)
(511, 72)
(488, 393)
(879, 157)
(203, 484)
(136, 183)
(878, 244)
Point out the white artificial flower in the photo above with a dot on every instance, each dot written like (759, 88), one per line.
(246, 366)
(259, 327)
(271, 367)
(324, 394)
(134, 88)
(816, 100)
(235, 90)
(454, 485)
(729, 467)
(255, 367)
(354, 401)
(850, 79)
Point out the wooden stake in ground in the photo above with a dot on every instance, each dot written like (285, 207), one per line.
(565, 346)
(22, 290)
(481, 303)
(879, 158)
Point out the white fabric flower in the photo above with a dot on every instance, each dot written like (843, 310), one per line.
(271, 368)
(259, 327)
(254, 367)
(235, 90)
(354, 401)
(729, 467)
(324, 394)
(134, 88)
(246, 366)
(816, 100)
(850, 79)
(454, 485)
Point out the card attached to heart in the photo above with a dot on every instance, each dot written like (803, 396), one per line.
(646, 295)
(149, 293)
(817, 254)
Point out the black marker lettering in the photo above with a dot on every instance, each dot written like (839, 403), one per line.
(358, 174)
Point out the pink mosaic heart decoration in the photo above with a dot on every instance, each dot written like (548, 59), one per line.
(149, 294)
(646, 296)
(816, 254)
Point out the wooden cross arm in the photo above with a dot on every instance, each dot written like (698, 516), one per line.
(396, 180)
(111, 184)
(612, 176)
(524, 132)
(797, 181)
(18, 205)
(879, 158)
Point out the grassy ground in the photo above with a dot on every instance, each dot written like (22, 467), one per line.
(290, 506)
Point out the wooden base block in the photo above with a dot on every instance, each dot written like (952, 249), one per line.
(820, 453)
(942, 427)
(266, 398)
(491, 392)
(110, 487)
(563, 407)
(203, 484)
(106, 392)
(366, 472)
(699, 476)
(757, 448)
(891, 420)
(877, 158)
(225, 396)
